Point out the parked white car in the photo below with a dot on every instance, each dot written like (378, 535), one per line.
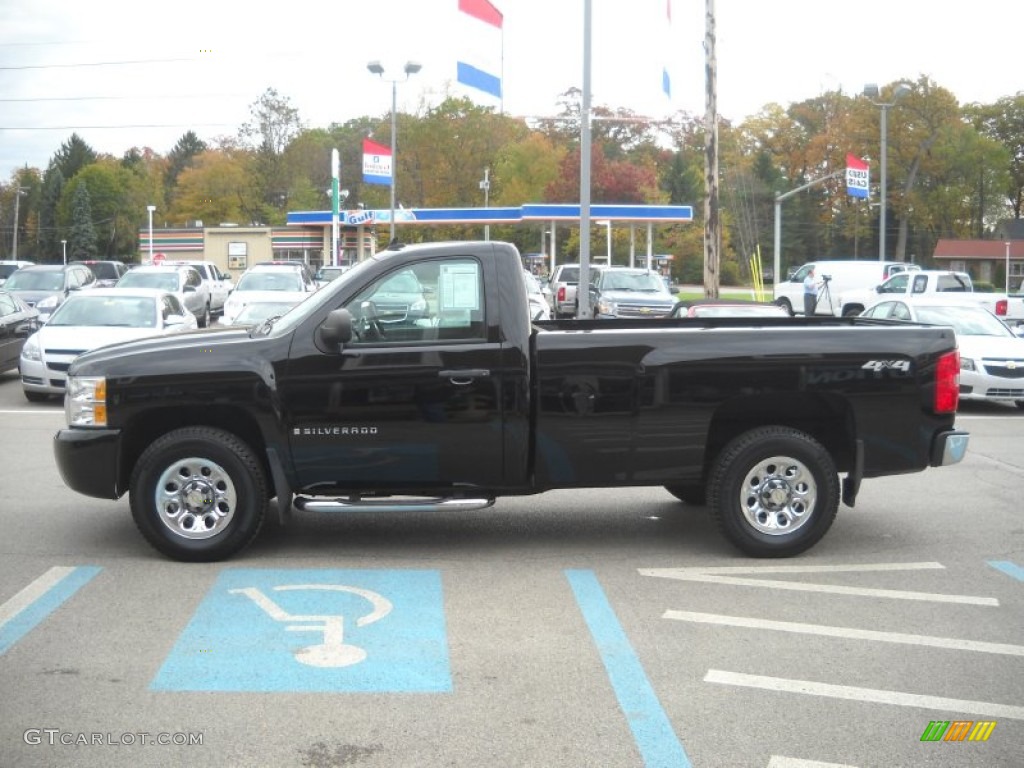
(539, 307)
(991, 355)
(92, 319)
(219, 283)
(275, 281)
(185, 282)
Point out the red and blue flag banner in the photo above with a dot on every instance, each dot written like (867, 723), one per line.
(857, 176)
(480, 64)
(376, 163)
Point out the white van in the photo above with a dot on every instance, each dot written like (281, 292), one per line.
(835, 277)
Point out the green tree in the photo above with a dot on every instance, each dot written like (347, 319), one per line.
(73, 155)
(81, 234)
(50, 234)
(1004, 123)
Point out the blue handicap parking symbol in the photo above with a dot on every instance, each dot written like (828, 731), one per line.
(314, 630)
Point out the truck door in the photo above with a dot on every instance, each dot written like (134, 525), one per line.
(413, 402)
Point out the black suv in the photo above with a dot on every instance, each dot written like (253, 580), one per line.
(107, 272)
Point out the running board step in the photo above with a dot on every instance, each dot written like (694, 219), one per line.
(318, 504)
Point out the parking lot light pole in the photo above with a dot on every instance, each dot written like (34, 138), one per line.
(872, 92)
(64, 248)
(376, 68)
(150, 209)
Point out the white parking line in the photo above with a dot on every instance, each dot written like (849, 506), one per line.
(32, 411)
(32, 592)
(847, 632)
(779, 761)
(712, 575)
(853, 693)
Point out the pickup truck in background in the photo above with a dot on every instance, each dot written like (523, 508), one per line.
(564, 283)
(955, 286)
(353, 401)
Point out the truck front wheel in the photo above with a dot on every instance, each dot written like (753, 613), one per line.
(774, 492)
(198, 494)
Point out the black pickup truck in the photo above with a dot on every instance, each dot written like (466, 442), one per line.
(416, 380)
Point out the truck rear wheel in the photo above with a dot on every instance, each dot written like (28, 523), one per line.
(774, 492)
(198, 494)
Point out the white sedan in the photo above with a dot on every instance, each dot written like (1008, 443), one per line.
(94, 319)
(991, 355)
(276, 283)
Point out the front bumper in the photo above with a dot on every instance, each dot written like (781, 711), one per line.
(949, 448)
(37, 377)
(88, 461)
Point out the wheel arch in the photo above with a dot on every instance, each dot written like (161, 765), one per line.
(827, 418)
(143, 431)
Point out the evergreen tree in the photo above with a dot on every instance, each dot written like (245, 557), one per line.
(82, 238)
(49, 234)
(73, 155)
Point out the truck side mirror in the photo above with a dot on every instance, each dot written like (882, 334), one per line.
(336, 329)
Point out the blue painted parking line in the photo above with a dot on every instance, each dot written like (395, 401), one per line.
(314, 630)
(1010, 569)
(651, 728)
(27, 609)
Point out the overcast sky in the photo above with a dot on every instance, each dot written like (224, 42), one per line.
(200, 65)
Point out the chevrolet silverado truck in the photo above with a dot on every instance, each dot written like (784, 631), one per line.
(367, 398)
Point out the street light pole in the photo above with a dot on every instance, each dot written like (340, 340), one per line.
(411, 68)
(1007, 289)
(150, 209)
(64, 248)
(485, 185)
(872, 92)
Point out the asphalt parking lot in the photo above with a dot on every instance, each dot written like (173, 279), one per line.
(597, 628)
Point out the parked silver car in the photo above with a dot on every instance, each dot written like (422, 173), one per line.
(183, 281)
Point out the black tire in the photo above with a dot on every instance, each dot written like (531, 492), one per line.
(1019, 404)
(207, 316)
(198, 494)
(694, 495)
(774, 492)
(852, 311)
(784, 303)
(36, 397)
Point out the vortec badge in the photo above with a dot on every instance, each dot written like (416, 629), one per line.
(333, 431)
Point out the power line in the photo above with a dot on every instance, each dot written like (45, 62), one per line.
(111, 127)
(97, 64)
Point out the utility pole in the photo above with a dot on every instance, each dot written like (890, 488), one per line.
(712, 224)
(18, 192)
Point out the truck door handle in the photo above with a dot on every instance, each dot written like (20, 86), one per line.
(463, 376)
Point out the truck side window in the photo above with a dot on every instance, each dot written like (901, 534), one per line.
(430, 301)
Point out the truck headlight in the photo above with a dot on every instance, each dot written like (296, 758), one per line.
(606, 307)
(50, 302)
(31, 350)
(966, 364)
(85, 401)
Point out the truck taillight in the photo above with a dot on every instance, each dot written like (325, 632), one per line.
(1002, 305)
(561, 293)
(947, 383)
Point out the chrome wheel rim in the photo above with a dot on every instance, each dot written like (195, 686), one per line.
(778, 495)
(195, 498)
